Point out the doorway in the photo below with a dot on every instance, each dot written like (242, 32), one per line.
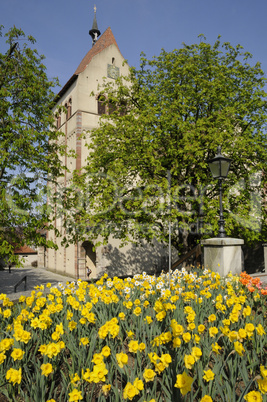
(90, 257)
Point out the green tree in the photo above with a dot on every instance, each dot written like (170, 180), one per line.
(172, 113)
(29, 154)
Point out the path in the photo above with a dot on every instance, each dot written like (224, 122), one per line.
(35, 277)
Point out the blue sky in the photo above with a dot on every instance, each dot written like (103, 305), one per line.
(61, 27)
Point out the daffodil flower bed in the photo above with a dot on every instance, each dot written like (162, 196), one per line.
(189, 337)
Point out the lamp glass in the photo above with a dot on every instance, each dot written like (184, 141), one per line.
(215, 169)
(225, 165)
(219, 167)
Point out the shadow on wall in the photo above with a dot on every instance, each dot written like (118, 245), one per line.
(154, 259)
(137, 259)
(253, 258)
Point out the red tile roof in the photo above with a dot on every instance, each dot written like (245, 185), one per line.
(105, 40)
(25, 250)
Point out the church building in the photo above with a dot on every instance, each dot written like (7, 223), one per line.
(83, 111)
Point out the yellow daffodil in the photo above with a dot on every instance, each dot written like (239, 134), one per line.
(196, 353)
(253, 396)
(184, 383)
(148, 319)
(14, 376)
(216, 348)
(176, 342)
(247, 311)
(133, 346)
(206, 398)
(2, 357)
(208, 376)
(122, 359)
(189, 361)
(46, 369)
(75, 395)
(186, 337)
(17, 354)
(212, 318)
(122, 316)
(250, 329)
(149, 375)
(84, 341)
(260, 330)
(97, 358)
(201, 328)
(263, 371)
(213, 331)
(239, 348)
(106, 389)
(130, 391)
(74, 378)
(262, 384)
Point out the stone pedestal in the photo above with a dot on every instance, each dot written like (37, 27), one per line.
(265, 256)
(223, 255)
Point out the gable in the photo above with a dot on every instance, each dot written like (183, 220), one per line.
(106, 39)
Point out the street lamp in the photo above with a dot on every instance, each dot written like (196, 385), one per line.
(219, 167)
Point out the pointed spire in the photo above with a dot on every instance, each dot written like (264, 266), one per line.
(94, 32)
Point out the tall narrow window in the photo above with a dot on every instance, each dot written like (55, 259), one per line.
(58, 121)
(66, 111)
(123, 108)
(111, 107)
(101, 104)
(69, 108)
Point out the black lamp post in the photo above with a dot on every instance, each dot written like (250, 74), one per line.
(219, 167)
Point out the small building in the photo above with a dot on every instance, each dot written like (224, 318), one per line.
(27, 255)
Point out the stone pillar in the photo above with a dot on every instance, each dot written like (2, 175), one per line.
(265, 256)
(223, 255)
(41, 256)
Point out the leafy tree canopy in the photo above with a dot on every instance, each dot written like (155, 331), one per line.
(172, 113)
(29, 154)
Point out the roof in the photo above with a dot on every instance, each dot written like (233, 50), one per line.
(105, 40)
(95, 27)
(24, 250)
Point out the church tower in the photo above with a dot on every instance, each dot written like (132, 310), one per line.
(83, 111)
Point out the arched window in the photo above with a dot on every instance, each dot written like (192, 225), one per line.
(69, 111)
(58, 122)
(101, 104)
(66, 111)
